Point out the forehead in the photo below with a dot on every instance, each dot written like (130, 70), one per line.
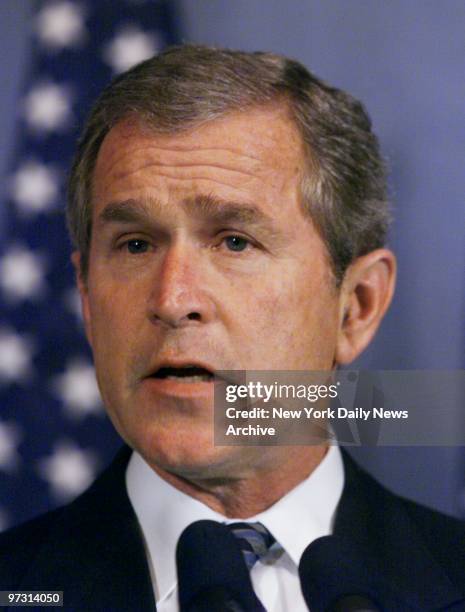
(243, 148)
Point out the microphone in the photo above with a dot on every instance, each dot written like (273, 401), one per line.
(334, 579)
(212, 575)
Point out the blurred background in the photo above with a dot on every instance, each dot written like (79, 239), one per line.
(405, 59)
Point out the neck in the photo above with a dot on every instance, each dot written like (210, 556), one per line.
(253, 491)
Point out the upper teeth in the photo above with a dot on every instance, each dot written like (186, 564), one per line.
(196, 378)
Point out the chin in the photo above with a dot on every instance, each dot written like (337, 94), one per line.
(179, 450)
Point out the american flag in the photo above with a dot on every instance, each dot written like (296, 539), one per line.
(54, 435)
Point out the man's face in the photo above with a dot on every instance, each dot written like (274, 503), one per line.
(201, 255)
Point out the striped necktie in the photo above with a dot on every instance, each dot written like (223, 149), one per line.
(254, 541)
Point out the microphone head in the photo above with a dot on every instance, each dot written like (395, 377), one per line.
(334, 578)
(212, 575)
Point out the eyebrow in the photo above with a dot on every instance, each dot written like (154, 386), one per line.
(222, 211)
(212, 209)
(127, 211)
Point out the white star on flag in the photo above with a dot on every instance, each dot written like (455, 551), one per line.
(69, 470)
(15, 357)
(47, 107)
(61, 25)
(129, 47)
(9, 439)
(22, 274)
(77, 388)
(34, 187)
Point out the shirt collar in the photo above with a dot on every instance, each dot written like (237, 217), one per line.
(305, 513)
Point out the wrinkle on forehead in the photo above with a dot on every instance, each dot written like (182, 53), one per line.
(185, 165)
(217, 166)
(258, 153)
(264, 133)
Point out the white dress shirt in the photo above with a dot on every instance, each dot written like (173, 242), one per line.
(301, 516)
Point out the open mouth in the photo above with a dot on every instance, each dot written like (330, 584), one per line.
(185, 374)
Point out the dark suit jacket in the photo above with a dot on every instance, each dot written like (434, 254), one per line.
(93, 550)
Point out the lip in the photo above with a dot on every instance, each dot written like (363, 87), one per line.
(178, 363)
(181, 363)
(174, 388)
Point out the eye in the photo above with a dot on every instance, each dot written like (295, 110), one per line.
(236, 243)
(137, 246)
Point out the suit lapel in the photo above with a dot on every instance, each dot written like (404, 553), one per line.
(97, 550)
(376, 524)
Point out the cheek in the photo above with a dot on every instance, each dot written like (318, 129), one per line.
(112, 318)
(288, 324)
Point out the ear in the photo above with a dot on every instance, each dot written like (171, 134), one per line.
(81, 283)
(366, 293)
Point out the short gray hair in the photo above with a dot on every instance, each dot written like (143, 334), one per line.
(344, 185)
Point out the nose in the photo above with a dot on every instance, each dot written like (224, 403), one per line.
(180, 294)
